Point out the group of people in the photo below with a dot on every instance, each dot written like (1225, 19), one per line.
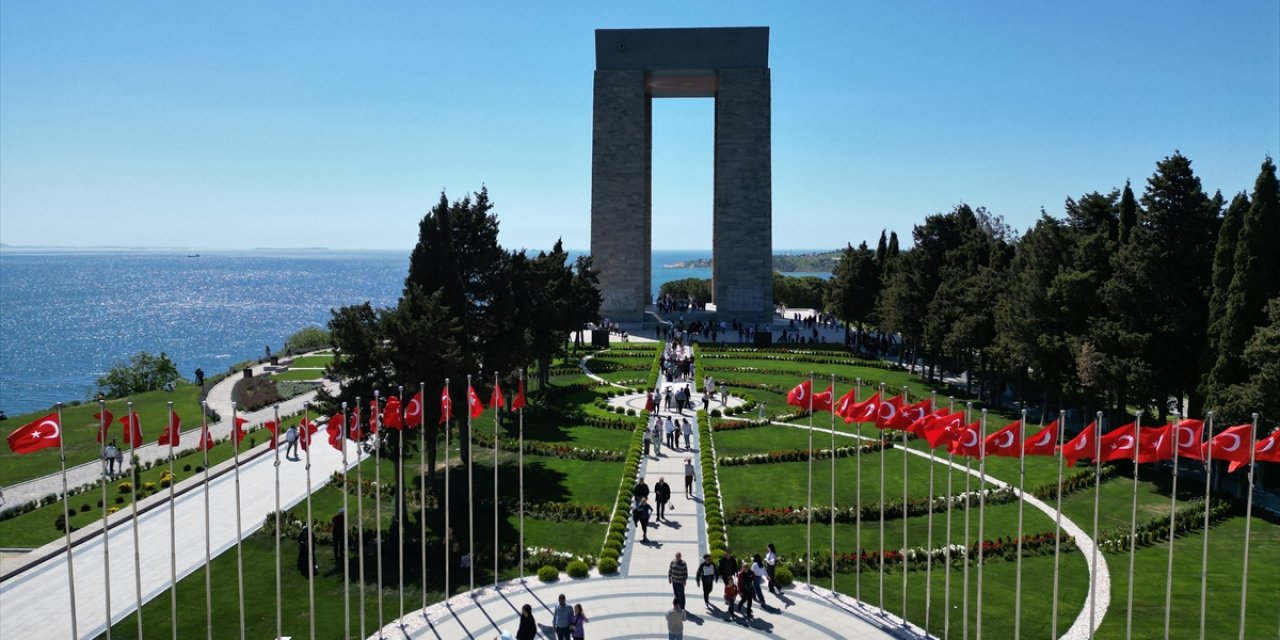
(641, 512)
(112, 459)
(568, 622)
(742, 581)
(665, 429)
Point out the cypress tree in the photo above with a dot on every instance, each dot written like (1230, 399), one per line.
(1224, 255)
(893, 246)
(1128, 213)
(882, 249)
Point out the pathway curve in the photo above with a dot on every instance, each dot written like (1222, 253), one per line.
(631, 604)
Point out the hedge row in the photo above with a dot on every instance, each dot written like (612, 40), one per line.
(919, 558)
(485, 439)
(868, 511)
(802, 455)
(1189, 517)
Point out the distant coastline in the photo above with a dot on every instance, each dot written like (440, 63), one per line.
(816, 262)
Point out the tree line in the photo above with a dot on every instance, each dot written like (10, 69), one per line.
(1123, 301)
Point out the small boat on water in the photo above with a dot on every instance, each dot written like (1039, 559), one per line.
(193, 255)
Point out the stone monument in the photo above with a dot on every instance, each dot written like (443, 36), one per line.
(633, 66)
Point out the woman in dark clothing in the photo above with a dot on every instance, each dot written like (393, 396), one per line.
(642, 516)
(528, 628)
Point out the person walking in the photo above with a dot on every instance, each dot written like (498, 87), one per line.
(657, 439)
(705, 575)
(675, 621)
(724, 394)
(669, 428)
(111, 456)
(662, 495)
(687, 427)
(291, 442)
(528, 626)
(648, 438)
(641, 490)
(757, 570)
(745, 590)
(688, 478)
(562, 620)
(728, 566)
(579, 622)
(771, 568)
(337, 525)
(641, 516)
(678, 575)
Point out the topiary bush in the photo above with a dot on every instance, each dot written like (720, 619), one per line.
(548, 573)
(577, 569)
(608, 566)
(782, 576)
(610, 552)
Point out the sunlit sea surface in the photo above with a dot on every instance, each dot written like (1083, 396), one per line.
(66, 316)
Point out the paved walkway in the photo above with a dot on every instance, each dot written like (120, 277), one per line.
(632, 604)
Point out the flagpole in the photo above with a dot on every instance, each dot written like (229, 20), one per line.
(208, 554)
(1173, 511)
(359, 520)
(310, 528)
(448, 533)
(857, 499)
(235, 453)
(833, 481)
(173, 532)
(928, 567)
(471, 500)
(66, 528)
(904, 516)
(1248, 518)
(346, 538)
(275, 462)
(946, 577)
(1204, 551)
(522, 376)
(1022, 478)
(375, 427)
(103, 426)
(968, 413)
(1133, 527)
(134, 429)
(422, 489)
(982, 504)
(497, 409)
(808, 533)
(880, 439)
(1097, 494)
(1057, 524)
(400, 512)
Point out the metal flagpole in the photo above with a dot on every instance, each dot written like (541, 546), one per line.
(905, 546)
(471, 500)
(448, 532)
(982, 504)
(235, 453)
(857, 499)
(209, 566)
(279, 597)
(375, 429)
(968, 489)
(946, 577)
(928, 567)
(497, 410)
(173, 532)
(1057, 525)
(1173, 511)
(66, 527)
(310, 528)
(346, 538)
(808, 531)
(103, 426)
(522, 376)
(1248, 518)
(881, 441)
(1133, 528)
(1022, 478)
(400, 512)
(359, 519)
(1204, 551)
(832, 409)
(1097, 494)
(134, 428)
(422, 490)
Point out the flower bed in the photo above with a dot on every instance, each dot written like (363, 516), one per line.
(893, 509)
(1189, 517)
(801, 455)
(918, 558)
(483, 439)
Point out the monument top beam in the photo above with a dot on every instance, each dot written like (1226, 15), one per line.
(682, 49)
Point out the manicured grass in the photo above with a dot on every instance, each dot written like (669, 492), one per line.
(312, 361)
(80, 430)
(579, 538)
(294, 373)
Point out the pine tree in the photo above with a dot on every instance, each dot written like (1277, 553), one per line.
(854, 288)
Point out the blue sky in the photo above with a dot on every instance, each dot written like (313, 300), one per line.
(247, 124)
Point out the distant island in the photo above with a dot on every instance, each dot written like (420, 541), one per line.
(817, 262)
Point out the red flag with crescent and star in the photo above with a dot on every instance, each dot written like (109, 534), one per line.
(799, 395)
(1006, 442)
(1120, 443)
(865, 411)
(238, 431)
(968, 440)
(105, 420)
(1234, 444)
(943, 430)
(172, 432)
(413, 412)
(845, 402)
(909, 414)
(473, 402)
(446, 405)
(36, 435)
(373, 417)
(334, 429)
(887, 412)
(132, 429)
(822, 401)
(918, 426)
(1080, 447)
(1155, 444)
(1189, 434)
(518, 402)
(270, 425)
(1267, 450)
(391, 414)
(1043, 442)
(496, 400)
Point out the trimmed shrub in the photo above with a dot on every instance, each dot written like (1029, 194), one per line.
(84, 508)
(782, 576)
(609, 552)
(126, 487)
(608, 566)
(577, 569)
(548, 573)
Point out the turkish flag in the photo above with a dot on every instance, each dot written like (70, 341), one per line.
(1190, 433)
(237, 430)
(918, 426)
(105, 419)
(822, 401)
(36, 435)
(171, 434)
(373, 416)
(391, 414)
(1155, 444)
(206, 439)
(354, 431)
(1043, 442)
(1234, 444)
(908, 415)
(865, 411)
(413, 412)
(270, 425)
(518, 402)
(1268, 449)
(887, 412)
(1082, 446)
(446, 405)
(132, 429)
(1120, 443)
(335, 431)
(845, 402)
(968, 440)
(496, 399)
(306, 429)
(799, 396)
(943, 430)
(473, 402)
(1006, 442)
